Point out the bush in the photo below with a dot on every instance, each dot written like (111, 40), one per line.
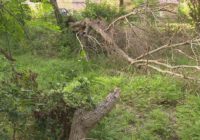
(14, 16)
(102, 10)
(183, 9)
(194, 6)
(37, 113)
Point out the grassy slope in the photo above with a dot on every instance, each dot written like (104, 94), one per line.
(150, 108)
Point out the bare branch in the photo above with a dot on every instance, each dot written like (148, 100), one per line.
(168, 46)
(193, 51)
(173, 73)
(183, 53)
(82, 47)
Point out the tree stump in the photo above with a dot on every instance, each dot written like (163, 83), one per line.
(83, 121)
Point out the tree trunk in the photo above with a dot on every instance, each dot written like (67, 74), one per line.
(83, 121)
(121, 3)
(58, 16)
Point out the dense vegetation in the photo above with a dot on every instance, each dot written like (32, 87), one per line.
(46, 75)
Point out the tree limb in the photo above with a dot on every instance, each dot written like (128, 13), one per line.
(167, 46)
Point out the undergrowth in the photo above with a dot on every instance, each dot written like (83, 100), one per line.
(52, 79)
(150, 107)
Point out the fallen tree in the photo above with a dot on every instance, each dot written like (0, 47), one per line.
(145, 59)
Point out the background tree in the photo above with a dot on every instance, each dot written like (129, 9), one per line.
(121, 3)
(13, 30)
(57, 13)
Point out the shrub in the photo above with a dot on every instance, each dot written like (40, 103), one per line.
(194, 6)
(183, 9)
(37, 113)
(14, 16)
(102, 10)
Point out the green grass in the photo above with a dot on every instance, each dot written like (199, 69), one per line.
(150, 107)
(53, 70)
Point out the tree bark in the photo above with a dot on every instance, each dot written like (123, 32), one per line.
(84, 121)
(58, 16)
